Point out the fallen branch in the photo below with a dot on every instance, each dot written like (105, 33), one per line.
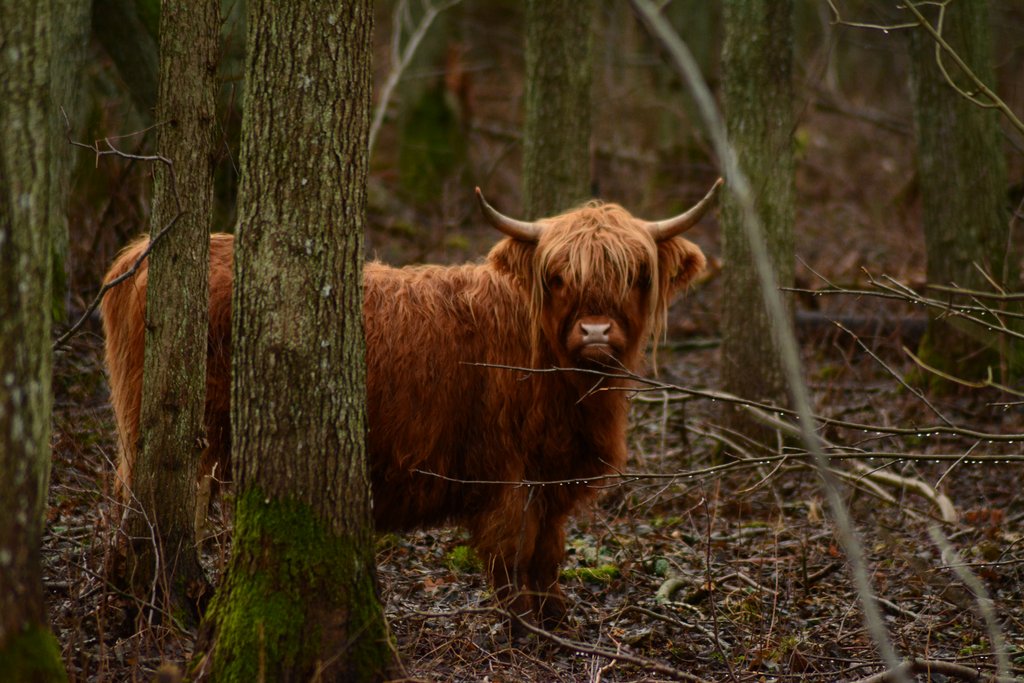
(931, 666)
(940, 500)
(668, 589)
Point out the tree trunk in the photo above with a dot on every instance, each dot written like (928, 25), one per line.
(28, 652)
(962, 174)
(299, 597)
(556, 131)
(174, 385)
(70, 37)
(120, 27)
(757, 62)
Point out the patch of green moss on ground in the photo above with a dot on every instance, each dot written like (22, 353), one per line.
(599, 575)
(32, 656)
(289, 576)
(464, 560)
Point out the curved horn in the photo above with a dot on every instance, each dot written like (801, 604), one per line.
(520, 230)
(663, 230)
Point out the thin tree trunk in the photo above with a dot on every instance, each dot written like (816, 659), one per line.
(120, 29)
(28, 652)
(556, 130)
(299, 597)
(70, 37)
(174, 374)
(962, 172)
(757, 63)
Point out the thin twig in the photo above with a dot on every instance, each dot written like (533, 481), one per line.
(993, 101)
(400, 57)
(111, 150)
(895, 375)
(572, 645)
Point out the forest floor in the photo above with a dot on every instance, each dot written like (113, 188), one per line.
(733, 573)
(717, 561)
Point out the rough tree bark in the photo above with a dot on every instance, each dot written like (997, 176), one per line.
(299, 597)
(162, 537)
(556, 129)
(963, 180)
(757, 60)
(28, 652)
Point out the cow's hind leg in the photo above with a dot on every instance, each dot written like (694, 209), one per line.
(214, 470)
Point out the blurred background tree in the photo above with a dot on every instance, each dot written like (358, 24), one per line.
(758, 103)
(963, 179)
(70, 39)
(556, 126)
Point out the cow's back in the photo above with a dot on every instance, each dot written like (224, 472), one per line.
(436, 411)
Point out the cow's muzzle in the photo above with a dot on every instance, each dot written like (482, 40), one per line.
(595, 333)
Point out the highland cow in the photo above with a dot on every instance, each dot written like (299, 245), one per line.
(451, 436)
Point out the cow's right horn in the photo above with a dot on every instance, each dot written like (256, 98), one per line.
(663, 230)
(520, 230)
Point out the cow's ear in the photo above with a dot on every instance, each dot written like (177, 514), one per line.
(679, 262)
(515, 258)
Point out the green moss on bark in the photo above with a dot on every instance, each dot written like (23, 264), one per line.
(32, 656)
(296, 595)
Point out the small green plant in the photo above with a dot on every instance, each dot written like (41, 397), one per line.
(974, 649)
(658, 566)
(387, 541)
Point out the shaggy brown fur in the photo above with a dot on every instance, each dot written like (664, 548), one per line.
(436, 419)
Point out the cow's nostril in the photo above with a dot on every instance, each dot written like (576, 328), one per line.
(595, 333)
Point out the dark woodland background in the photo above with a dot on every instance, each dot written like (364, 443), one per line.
(732, 573)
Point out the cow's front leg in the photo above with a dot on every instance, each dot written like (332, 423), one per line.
(545, 569)
(505, 539)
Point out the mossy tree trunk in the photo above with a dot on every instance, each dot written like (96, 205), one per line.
(162, 537)
(556, 129)
(963, 180)
(757, 60)
(299, 597)
(28, 652)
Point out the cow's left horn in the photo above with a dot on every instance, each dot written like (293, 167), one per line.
(520, 230)
(663, 230)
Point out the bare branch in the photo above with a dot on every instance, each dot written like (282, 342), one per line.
(572, 645)
(952, 560)
(989, 99)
